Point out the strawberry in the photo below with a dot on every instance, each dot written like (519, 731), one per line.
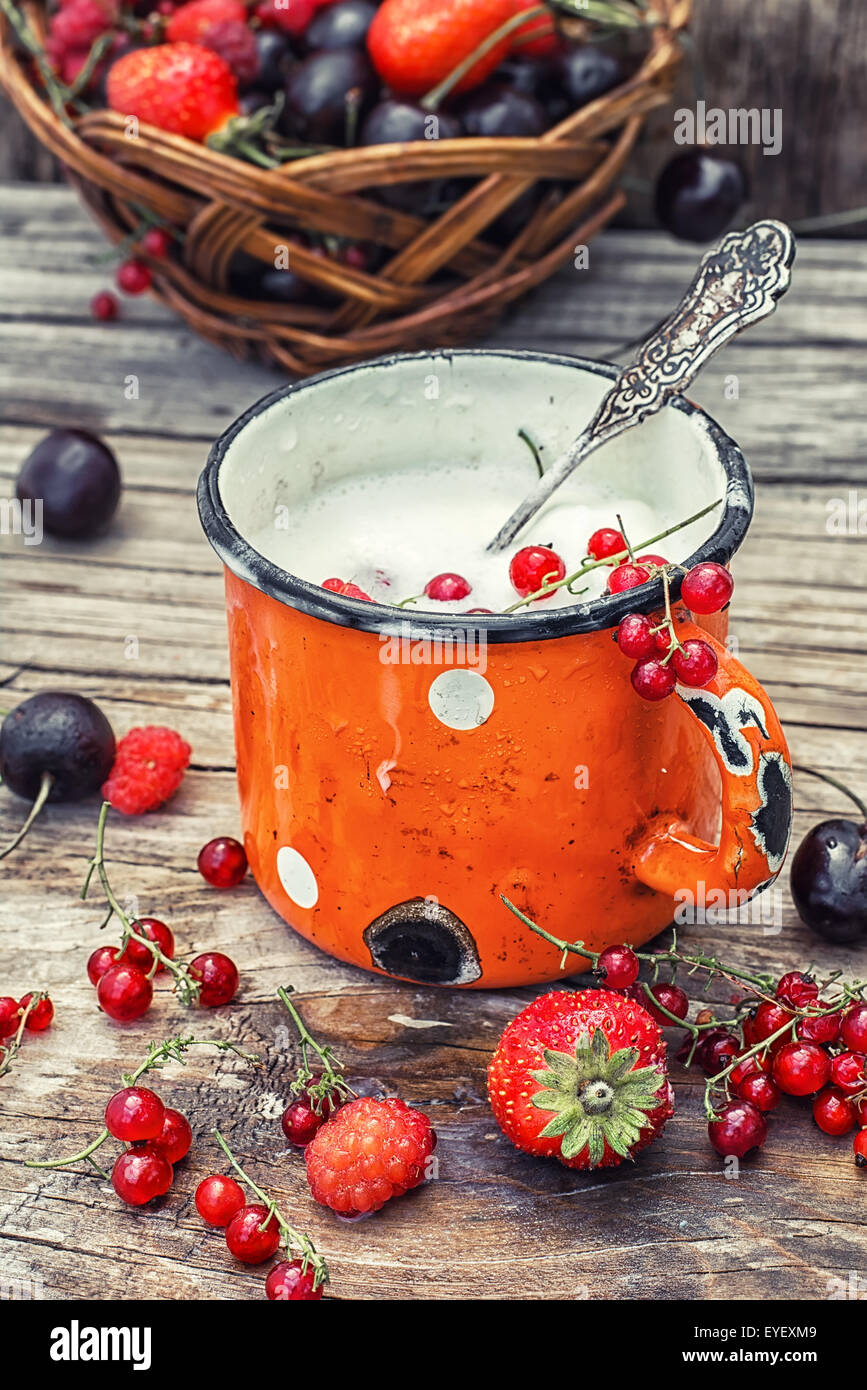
(178, 87)
(537, 38)
(581, 1077)
(188, 24)
(415, 46)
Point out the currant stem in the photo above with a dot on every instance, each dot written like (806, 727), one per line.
(293, 1240)
(832, 782)
(45, 785)
(188, 988)
(333, 1080)
(534, 449)
(8, 1052)
(437, 94)
(609, 561)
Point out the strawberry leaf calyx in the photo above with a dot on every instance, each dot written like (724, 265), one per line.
(597, 1097)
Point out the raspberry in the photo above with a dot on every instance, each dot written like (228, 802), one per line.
(148, 768)
(236, 45)
(370, 1151)
(188, 24)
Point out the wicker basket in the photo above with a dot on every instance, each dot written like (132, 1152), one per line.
(441, 282)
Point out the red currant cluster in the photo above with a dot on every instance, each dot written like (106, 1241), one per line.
(157, 1137)
(124, 974)
(256, 1230)
(790, 1036)
(133, 275)
(661, 659)
(359, 1152)
(32, 1013)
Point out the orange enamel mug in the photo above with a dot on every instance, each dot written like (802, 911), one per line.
(400, 771)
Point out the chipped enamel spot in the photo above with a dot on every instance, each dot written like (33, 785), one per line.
(461, 699)
(297, 877)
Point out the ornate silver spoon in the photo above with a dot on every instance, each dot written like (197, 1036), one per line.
(735, 285)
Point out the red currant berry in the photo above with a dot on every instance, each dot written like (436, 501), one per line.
(289, 1282)
(300, 1122)
(9, 1016)
(769, 1019)
(651, 680)
(534, 566)
(627, 577)
(825, 1028)
(833, 1111)
(797, 989)
(355, 257)
(801, 1068)
(133, 277)
(859, 1144)
(847, 1072)
(671, 997)
(141, 1174)
(102, 959)
(695, 663)
(218, 1198)
(853, 1029)
(104, 306)
(480, 610)
(750, 1066)
(716, 1050)
(658, 560)
(138, 955)
(40, 1015)
(222, 862)
(219, 977)
(737, 1129)
(135, 1114)
(245, 1237)
(157, 242)
(662, 641)
(617, 967)
(175, 1138)
(635, 636)
(707, 587)
(606, 542)
(448, 588)
(760, 1091)
(124, 992)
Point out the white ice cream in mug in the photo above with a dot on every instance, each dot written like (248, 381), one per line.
(390, 533)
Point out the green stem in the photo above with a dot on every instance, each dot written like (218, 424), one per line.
(609, 561)
(58, 94)
(9, 1052)
(432, 99)
(45, 785)
(293, 1239)
(533, 447)
(332, 1084)
(832, 782)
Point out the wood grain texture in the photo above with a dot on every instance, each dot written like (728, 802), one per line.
(495, 1224)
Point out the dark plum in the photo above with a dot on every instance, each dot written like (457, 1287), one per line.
(318, 95)
(276, 57)
(698, 194)
(340, 26)
(586, 73)
(532, 77)
(250, 279)
(499, 110)
(395, 121)
(829, 880)
(77, 479)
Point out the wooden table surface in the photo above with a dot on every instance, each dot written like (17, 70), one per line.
(496, 1223)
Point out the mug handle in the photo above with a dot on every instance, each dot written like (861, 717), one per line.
(741, 727)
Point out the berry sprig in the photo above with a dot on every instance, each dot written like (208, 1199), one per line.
(609, 561)
(33, 1013)
(662, 659)
(158, 1137)
(123, 975)
(254, 1233)
(318, 1094)
(790, 1036)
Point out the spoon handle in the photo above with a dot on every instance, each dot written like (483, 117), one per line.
(735, 285)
